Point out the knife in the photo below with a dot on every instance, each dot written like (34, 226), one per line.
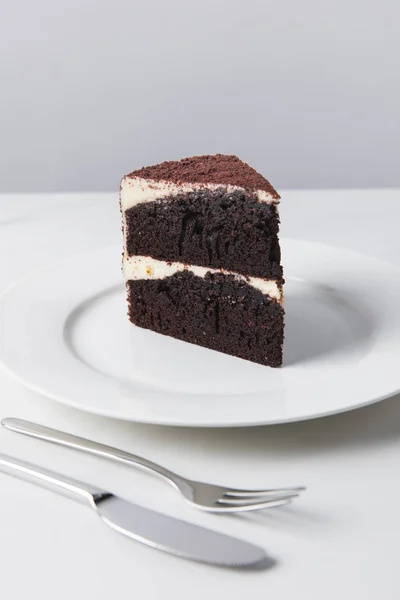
(143, 525)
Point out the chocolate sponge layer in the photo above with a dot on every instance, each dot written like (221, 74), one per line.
(216, 312)
(217, 229)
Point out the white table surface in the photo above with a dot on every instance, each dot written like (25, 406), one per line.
(340, 540)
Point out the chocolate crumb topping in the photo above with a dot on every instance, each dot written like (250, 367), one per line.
(219, 168)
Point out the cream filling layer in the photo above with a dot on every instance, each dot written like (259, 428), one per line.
(136, 190)
(146, 267)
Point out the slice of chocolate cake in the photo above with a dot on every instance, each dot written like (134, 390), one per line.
(202, 255)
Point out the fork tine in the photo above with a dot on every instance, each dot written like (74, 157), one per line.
(243, 501)
(270, 492)
(225, 506)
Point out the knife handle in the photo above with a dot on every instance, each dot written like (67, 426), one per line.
(71, 488)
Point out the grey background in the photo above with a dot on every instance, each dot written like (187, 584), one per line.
(307, 91)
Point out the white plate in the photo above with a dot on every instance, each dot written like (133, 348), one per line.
(64, 332)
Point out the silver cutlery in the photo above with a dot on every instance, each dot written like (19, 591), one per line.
(143, 525)
(206, 496)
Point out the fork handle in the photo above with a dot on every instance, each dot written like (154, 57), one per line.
(91, 447)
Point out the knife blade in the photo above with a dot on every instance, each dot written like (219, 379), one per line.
(176, 536)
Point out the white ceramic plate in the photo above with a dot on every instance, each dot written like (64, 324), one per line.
(64, 332)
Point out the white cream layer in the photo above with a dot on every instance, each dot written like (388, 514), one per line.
(135, 190)
(145, 267)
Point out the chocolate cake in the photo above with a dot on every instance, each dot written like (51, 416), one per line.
(202, 255)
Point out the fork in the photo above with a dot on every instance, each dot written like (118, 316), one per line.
(205, 496)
